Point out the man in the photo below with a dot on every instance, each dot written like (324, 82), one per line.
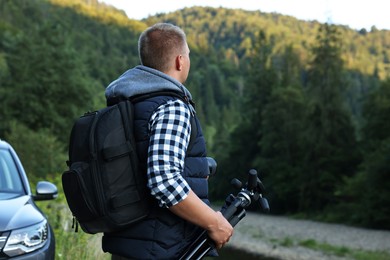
(177, 172)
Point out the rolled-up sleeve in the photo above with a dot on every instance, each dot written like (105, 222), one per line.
(169, 136)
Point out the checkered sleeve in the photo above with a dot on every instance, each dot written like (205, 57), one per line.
(169, 137)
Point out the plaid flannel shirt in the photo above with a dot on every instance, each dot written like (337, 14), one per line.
(170, 134)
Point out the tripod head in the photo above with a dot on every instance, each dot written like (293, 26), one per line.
(252, 191)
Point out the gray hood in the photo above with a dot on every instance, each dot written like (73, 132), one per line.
(141, 80)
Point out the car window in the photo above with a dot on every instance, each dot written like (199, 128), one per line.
(10, 181)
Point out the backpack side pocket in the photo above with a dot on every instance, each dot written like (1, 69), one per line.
(78, 195)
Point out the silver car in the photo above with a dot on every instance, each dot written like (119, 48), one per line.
(24, 230)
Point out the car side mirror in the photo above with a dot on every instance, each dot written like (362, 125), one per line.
(45, 191)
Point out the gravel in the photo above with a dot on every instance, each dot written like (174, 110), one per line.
(280, 237)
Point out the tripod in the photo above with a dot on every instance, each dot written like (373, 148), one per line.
(233, 210)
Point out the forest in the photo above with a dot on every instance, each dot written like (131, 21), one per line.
(306, 104)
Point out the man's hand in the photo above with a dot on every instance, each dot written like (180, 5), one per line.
(220, 232)
(197, 212)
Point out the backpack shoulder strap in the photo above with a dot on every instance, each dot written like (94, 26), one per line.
(179, 95)
(185, 99)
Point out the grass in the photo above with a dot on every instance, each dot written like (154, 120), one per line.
(69, 244)
(334, 250)
(339, 251)
(345, 252)
(287, 242)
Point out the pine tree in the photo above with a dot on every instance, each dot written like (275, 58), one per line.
(246, 138)
(282, 126)
(330, 144)
(368, 193)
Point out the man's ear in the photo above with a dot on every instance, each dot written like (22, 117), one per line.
(179, 62)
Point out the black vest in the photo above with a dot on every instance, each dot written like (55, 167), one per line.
(162, 235)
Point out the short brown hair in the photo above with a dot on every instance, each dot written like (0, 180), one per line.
(159, 43)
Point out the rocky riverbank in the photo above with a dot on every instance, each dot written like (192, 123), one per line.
(289, 239)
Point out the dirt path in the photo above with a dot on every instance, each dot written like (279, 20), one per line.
(279, 237)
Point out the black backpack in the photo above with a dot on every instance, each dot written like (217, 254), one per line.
(104, 187)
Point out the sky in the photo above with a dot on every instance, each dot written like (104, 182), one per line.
(356, 14)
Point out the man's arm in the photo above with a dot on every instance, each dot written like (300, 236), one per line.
(170, 133)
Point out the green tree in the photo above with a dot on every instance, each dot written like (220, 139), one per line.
(282, 151)
(367, 195)
(329, 136)
(246, 137)
(47, 85)
(40, 151)
(282, 125)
